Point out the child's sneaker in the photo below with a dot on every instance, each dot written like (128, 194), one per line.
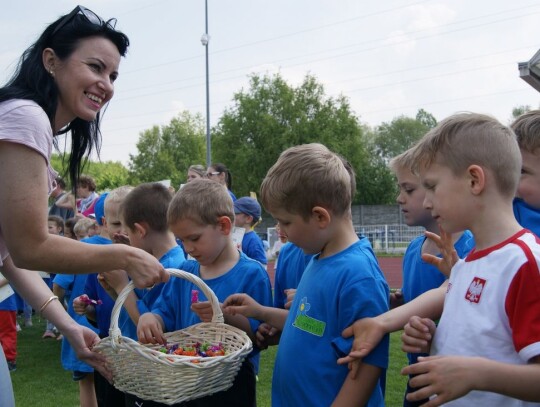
(48, 334)
(28, 323)
(18, 327)
(12, 366)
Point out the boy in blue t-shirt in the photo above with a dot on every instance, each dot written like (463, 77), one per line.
(201, 215)
(247, 214)
(96, 304)
(309, 191)
(143, 214)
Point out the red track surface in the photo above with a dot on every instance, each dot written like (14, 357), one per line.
(391, 267)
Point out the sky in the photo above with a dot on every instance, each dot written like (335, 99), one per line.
(389, 58)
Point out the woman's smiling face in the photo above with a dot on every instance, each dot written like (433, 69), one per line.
(85, 79)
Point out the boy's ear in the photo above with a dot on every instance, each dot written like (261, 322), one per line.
(321, 216)
(225, 224)
(141, 228)
(477, 179)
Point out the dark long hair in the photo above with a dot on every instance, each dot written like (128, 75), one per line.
(31, 81)
(228, 176)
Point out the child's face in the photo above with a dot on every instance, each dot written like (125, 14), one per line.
(529, 183)
(92, 231)
(302, 233)
(411, 200)
(53, 228)
(241, 220)
(81, 235)
(447, 197)
(202, 242)
(112, 219)
(69, 233)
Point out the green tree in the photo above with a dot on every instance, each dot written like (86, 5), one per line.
(108, 174)
(166, 152)
(401, 133)
(519, 110)
(272, 115)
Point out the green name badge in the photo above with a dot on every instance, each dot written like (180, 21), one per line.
(309, 324)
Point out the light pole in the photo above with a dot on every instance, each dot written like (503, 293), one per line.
(205, 39)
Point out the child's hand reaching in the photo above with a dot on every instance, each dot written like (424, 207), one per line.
(121, 238)
(417, 335)
(203, 310)
(150, 329)
(80, 304)
(290, 292)
(244, 305)
(368, 332)
(446, 246)
(113, 282)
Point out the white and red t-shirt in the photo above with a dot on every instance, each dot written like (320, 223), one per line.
(492, 310)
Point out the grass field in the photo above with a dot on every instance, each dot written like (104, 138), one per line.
(41, 381)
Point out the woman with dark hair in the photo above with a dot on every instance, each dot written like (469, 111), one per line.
(61, 84)
(218, 172)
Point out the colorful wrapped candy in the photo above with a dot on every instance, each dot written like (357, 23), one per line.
(198, 349)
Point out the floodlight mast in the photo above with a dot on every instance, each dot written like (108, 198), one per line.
(205, 39)
(529, 71)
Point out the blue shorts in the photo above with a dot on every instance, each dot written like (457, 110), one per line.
(78, 375)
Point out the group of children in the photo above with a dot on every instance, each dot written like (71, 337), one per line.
(468, 182)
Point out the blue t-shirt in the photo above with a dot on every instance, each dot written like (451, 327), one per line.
(253, 247)
(290, 267)
(247, 276)
(332, 294)
(419, 276)
(95, 291)
(527, 216)
(174, 259)
(9, 304)
(75, 284)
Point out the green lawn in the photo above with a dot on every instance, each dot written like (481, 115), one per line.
(41, 381)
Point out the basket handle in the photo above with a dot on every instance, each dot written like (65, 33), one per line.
(217, 316)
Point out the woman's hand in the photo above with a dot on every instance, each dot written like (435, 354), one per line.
(83, 340)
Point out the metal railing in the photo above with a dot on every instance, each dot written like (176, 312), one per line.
(383, 238)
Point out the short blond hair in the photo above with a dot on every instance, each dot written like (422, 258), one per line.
(83, 225)
(117, 196)
(202, 201)
(403, 161)
(306, 176)
(467, 139)
(527, 129)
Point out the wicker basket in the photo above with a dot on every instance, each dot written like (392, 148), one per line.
(147, 373)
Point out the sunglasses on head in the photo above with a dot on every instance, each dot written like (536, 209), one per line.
(89, 15)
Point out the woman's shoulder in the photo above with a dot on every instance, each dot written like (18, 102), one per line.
(24, 121)
(27, 109)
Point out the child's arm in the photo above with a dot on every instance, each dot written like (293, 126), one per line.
(245, 305)
(357, 389)
(114, 282)
(150, 328)
(60, 293)
(368, 332)
(450, 377)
